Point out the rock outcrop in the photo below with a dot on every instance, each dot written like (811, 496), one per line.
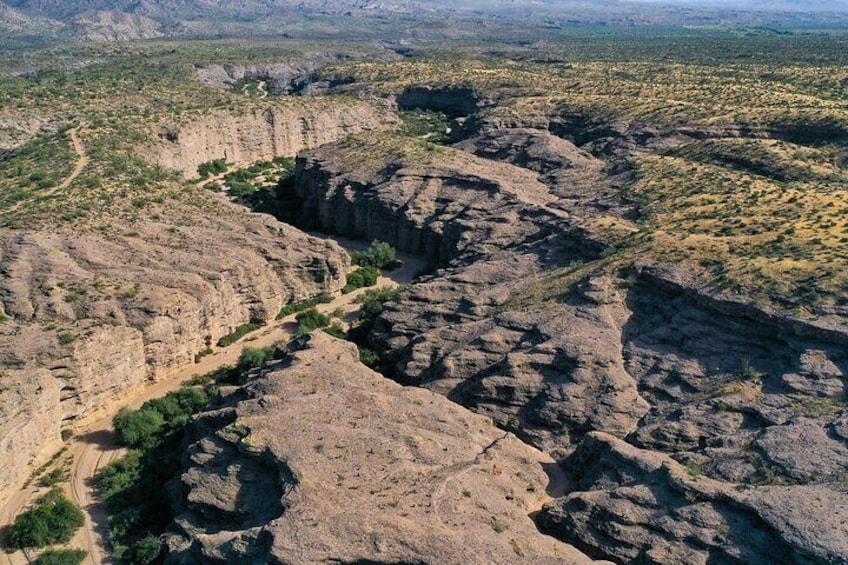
(641, 506)
(533, 321)
(320, 460)
(261, 131)
(102, 314)
(286, 77)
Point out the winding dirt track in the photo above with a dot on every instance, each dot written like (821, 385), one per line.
(94, 445)
(82, 161)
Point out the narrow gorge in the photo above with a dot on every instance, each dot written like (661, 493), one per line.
(106, 315)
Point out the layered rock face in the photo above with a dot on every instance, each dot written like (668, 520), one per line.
(320, 460)
(641, 506)
(106, 313)
(517, 326)
(261, 132)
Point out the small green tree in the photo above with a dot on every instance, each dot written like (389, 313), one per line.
(136, 428)
(360, 278)
(253, 357)
(62, 557)
(145, 550)
(310, 320)
(53, 519)
(379, 255)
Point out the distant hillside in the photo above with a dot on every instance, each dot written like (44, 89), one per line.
(115, 20)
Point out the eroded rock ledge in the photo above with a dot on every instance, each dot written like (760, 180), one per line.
(90, 315)
(320, 460)
(528, 322)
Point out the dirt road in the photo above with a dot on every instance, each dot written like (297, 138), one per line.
(94, 445)
(82, 161)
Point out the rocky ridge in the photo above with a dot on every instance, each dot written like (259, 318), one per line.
(114, 25)
(89, 315)
(318, 459)
(99, 336)
(261, 131)
(529, 320)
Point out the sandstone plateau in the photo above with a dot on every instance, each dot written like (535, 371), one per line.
(686, 419)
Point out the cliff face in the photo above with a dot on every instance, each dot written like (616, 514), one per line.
(319, 459)
(105, 315)
(262, 132)
(94, 314)
(557, 340)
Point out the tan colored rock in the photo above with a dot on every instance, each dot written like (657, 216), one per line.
(138, 308)
(261, 131)
(321, 460)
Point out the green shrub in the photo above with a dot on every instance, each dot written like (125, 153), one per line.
(336, 330)
(62, 557)
(177, 404)
(253, 357)
(66, 338)
(136, 428)
(361, 278)
(53, 519)
(289, 309)
(310, 320)
(239, 333)
(368, 357)
(144, 551)
(373, 300)
(239, 189)
(379, 254)
(214, 167)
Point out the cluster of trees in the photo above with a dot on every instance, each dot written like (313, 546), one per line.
(295, 307)
(62, 557)
(53, 519)
(141, 428)
(310, 320)
(379, 255)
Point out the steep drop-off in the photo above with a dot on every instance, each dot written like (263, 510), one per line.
(261, 131)
(99, 316)
(89, 315)
(535, 320)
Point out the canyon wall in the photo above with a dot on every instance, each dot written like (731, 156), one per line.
(90, 316)
(531, 325)
(261, 131)
(103, 316)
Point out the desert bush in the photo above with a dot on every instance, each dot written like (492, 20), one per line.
(239, 333)
(289, 309)
(53, 519)
(211, 168)
(310, 320)
(62, 557)
(379, 254)
(361, 278)
(336, 330)
(253, 357)
(136, 428)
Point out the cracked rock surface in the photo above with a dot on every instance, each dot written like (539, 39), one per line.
(351, 467)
